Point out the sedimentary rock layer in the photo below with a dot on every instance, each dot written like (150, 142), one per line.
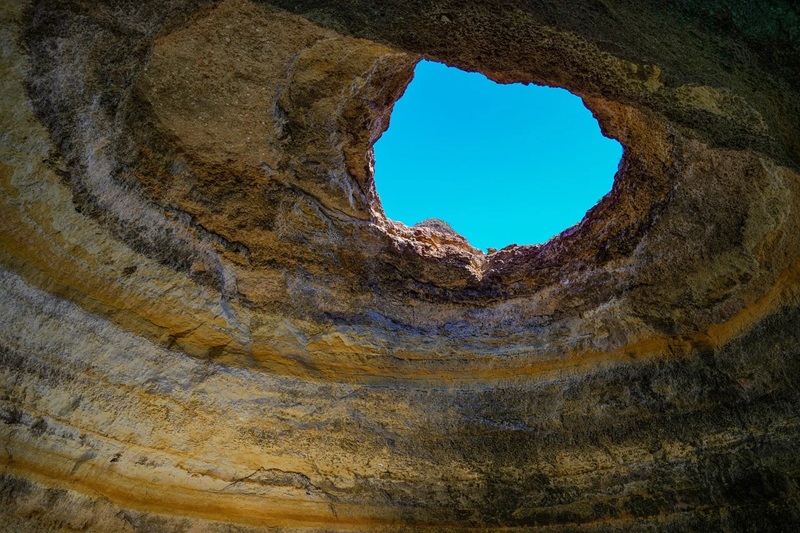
(208, 323)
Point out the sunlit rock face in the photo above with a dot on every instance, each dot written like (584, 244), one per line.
(208, 324)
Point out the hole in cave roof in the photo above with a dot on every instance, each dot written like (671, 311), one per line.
(500, 164)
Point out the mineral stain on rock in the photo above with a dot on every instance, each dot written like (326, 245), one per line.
(209, 324)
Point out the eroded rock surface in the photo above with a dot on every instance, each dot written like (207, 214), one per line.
(208, 324)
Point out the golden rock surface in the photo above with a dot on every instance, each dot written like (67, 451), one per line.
(208, 324)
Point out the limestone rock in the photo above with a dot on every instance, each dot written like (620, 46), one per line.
(208, 323)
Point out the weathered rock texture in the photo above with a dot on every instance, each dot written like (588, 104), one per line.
(209, 325)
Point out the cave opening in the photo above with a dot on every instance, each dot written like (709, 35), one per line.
(499, 163)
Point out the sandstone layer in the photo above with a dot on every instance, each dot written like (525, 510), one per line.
(207, 323)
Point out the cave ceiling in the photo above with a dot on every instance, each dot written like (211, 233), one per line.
(207, 322)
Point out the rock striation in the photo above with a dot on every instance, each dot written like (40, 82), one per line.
(208, 323)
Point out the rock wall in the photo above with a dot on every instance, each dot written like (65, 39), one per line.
(208, 324)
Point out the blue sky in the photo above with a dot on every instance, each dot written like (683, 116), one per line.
(502, 164)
